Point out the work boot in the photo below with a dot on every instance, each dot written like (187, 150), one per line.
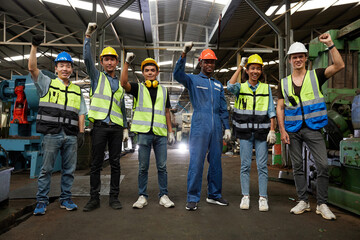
(114, 203)
(92, 204)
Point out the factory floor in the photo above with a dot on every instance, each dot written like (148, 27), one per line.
(156, 222)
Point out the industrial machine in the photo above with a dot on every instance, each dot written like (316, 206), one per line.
(20, 102)
(342, 135)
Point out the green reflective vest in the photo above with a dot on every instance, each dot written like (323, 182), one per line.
(59, 109)
(145, 111)
(104, 102)
(250, 112)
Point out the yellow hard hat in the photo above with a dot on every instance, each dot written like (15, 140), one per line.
(254, 59)
(108, 51)
(149, 60)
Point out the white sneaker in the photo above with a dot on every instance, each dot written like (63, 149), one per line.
(301, 207)
(245, 203)
(166, 202)
(141, 202)
(263, 204)
(325, 212)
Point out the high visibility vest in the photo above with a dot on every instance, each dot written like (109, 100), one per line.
(147, 115)
(250, 112)
(59, 109)
(106, 103)
(310, 106)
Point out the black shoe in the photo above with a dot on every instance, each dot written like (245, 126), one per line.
(191, 206)
(115, 204)
(92, 205)
(218, 201)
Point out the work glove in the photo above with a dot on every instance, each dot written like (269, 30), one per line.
(36, 40)
(187, 47)
(91, 28)
(271, 137)
(125, 135)
(227, 134)
(243, 62)
(80, 139)
(130, 57)
(171, 138)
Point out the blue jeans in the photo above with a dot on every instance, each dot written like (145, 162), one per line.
(52, 144)
(159, 144)
(261, 152)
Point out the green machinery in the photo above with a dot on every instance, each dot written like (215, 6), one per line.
(342, 95)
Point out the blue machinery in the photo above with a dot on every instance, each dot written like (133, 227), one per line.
(23, 143)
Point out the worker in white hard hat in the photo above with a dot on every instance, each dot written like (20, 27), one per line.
(108, 115)
(301, 113)
(152, 123)
(254, 125)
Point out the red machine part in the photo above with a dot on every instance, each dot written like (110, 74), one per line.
(21, 106)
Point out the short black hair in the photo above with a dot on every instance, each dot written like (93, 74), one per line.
(150, 64)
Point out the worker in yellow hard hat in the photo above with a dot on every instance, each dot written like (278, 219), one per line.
(301, 112)
(107, 112)
(152, 122)
(209, 118)
(254, 124)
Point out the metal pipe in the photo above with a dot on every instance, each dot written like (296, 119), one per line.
(116, 14)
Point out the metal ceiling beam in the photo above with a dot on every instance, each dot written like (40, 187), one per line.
(227, 14)
(77, 13)
(145, 17)
(27, 30)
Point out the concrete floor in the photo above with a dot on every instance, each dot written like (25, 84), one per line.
(208, 222)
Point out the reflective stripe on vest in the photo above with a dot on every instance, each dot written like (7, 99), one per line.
(59, 108)
(250, 114)
(104, 102)
(143, 113)
(310, 106)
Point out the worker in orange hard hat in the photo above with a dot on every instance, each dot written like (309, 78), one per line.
(107, 112)
(209, 117)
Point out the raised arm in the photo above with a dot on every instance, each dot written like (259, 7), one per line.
(338, 62)
(179, 71)
(32, 64)
(124, 72)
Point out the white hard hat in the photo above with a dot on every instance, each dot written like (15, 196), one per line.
(297, 47)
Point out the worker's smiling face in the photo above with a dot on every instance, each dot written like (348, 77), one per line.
(150, 72)
(207, 66)
(298, 60)
(254, 71)
(64, 70)
(109, 63)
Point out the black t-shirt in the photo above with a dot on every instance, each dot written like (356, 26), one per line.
(320, 73)
(153, 93)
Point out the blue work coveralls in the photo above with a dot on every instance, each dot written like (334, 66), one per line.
(210, 113)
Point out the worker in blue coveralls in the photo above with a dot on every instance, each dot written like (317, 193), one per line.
(61, 119)
(210, 113)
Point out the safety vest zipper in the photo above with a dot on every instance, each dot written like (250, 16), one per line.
(111, 102)
(254, 104)
(66, 100)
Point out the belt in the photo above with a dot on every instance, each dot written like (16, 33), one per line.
(104, 124)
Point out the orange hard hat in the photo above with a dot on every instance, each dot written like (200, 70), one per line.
(207, 54)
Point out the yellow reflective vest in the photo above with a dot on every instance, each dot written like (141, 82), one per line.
(106, 103)
(147, 115)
